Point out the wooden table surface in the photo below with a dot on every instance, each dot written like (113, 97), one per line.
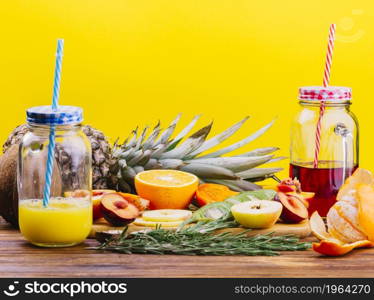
(20, 259)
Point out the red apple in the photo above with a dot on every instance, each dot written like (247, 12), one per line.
(117, 210)
(294, 211)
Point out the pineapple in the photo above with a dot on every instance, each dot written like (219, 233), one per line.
(159, 151)
(116, 167)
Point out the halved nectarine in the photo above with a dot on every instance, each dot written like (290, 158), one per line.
(304, 197)
(96, 199)
(117, 210)
(294, 211)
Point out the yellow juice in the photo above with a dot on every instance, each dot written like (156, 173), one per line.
(65, 222)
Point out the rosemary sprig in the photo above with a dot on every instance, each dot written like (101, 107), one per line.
(197, 240)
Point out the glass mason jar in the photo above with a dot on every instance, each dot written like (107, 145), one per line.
(65, 217)
(337, 157)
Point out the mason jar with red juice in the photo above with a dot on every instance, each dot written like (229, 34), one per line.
(338, 144)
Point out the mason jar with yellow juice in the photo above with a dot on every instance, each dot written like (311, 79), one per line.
(66, 218)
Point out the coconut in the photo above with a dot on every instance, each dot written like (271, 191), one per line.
(8, 186)
(8, 182)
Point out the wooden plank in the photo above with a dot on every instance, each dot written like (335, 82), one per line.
(301, 230)
(20, 259)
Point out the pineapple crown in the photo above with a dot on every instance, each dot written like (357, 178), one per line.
(158, 150)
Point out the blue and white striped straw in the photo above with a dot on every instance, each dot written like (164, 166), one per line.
(56, 84)
(51, 145)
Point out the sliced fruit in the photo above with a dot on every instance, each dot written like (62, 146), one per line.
(78, 193)
(294, 211)
(289, 185)
(210, 192)
(303, 197)
(166, 215)
(139, 202)
(365, 197)
(101, 192)
(118, 211)
(96, 210)
(318, 227)
(347, 190)
(330, 248)
(96, 200)
(342, 222)
(285, 188)
(257, 213)
(145, 223)
(166, 188)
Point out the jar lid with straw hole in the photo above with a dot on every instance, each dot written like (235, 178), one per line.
(329, 93)
(63, 115)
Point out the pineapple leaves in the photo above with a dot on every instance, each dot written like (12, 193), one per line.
(156, 149)
(189, 145)
(241, 143)
(238, 185)
(258, 173)
(164, 137)
(260, 151)
(209, 171)
(219, 138)
(184, 132)
(235, 163)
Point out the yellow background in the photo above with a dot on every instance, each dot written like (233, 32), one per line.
(132, 62)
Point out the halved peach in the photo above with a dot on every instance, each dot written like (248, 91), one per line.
(117, 210)
(96, 199)
(294, 211)
(285, 188)
(304, 197)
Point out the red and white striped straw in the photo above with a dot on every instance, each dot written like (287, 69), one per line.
(326, 81)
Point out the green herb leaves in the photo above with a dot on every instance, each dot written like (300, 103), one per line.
(199, 240)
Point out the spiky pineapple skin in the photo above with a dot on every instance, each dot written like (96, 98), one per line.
(101, 155)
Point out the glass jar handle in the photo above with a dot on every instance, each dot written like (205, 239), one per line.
(342, 130)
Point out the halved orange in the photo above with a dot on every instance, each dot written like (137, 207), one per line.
(171, 189)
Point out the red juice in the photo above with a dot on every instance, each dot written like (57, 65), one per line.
(324, 182)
